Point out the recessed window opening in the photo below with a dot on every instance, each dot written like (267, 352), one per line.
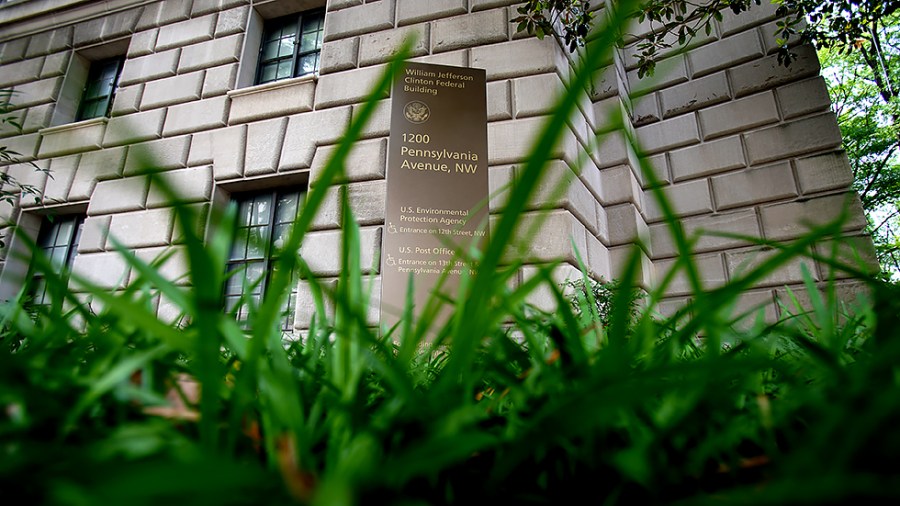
(100, 89)
(58, 241)
(263, 225)
(290, 46)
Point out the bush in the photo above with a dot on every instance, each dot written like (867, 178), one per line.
(593, 299)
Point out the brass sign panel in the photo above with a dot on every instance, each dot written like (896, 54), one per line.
(437, 184)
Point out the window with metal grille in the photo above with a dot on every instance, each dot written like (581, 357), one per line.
(263, 225)
(290, 46)
(58, 240)
(100, 88)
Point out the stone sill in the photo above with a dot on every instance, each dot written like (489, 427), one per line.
(262, 88)
(269, 100)
(72, 137)
(51, 130)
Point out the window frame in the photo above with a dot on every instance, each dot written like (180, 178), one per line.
(96, 74)
(51, 225)
(240, 292)
(278, 24)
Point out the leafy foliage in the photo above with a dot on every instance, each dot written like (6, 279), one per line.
(677, 22)
(587, 292)
(571, 19)
(12, 189)
(842, 24)
(865, 94)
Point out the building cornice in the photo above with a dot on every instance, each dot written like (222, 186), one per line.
(27, 17)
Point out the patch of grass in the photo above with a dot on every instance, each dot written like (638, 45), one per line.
(506, 403)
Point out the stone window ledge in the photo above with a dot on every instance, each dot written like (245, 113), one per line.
(270, 100)
(72, 137)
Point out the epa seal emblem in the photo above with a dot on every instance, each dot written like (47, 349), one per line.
(416, 112)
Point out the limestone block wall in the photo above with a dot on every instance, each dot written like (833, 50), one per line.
(742, 144)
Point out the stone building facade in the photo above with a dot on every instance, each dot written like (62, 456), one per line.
(742, 144)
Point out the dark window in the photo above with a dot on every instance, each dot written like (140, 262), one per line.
(290, 47)
(263, 225)
(99, 89)
(58, 240)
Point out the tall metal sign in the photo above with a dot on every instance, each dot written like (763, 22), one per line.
(437, 184)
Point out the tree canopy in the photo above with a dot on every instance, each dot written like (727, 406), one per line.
(863, 84)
